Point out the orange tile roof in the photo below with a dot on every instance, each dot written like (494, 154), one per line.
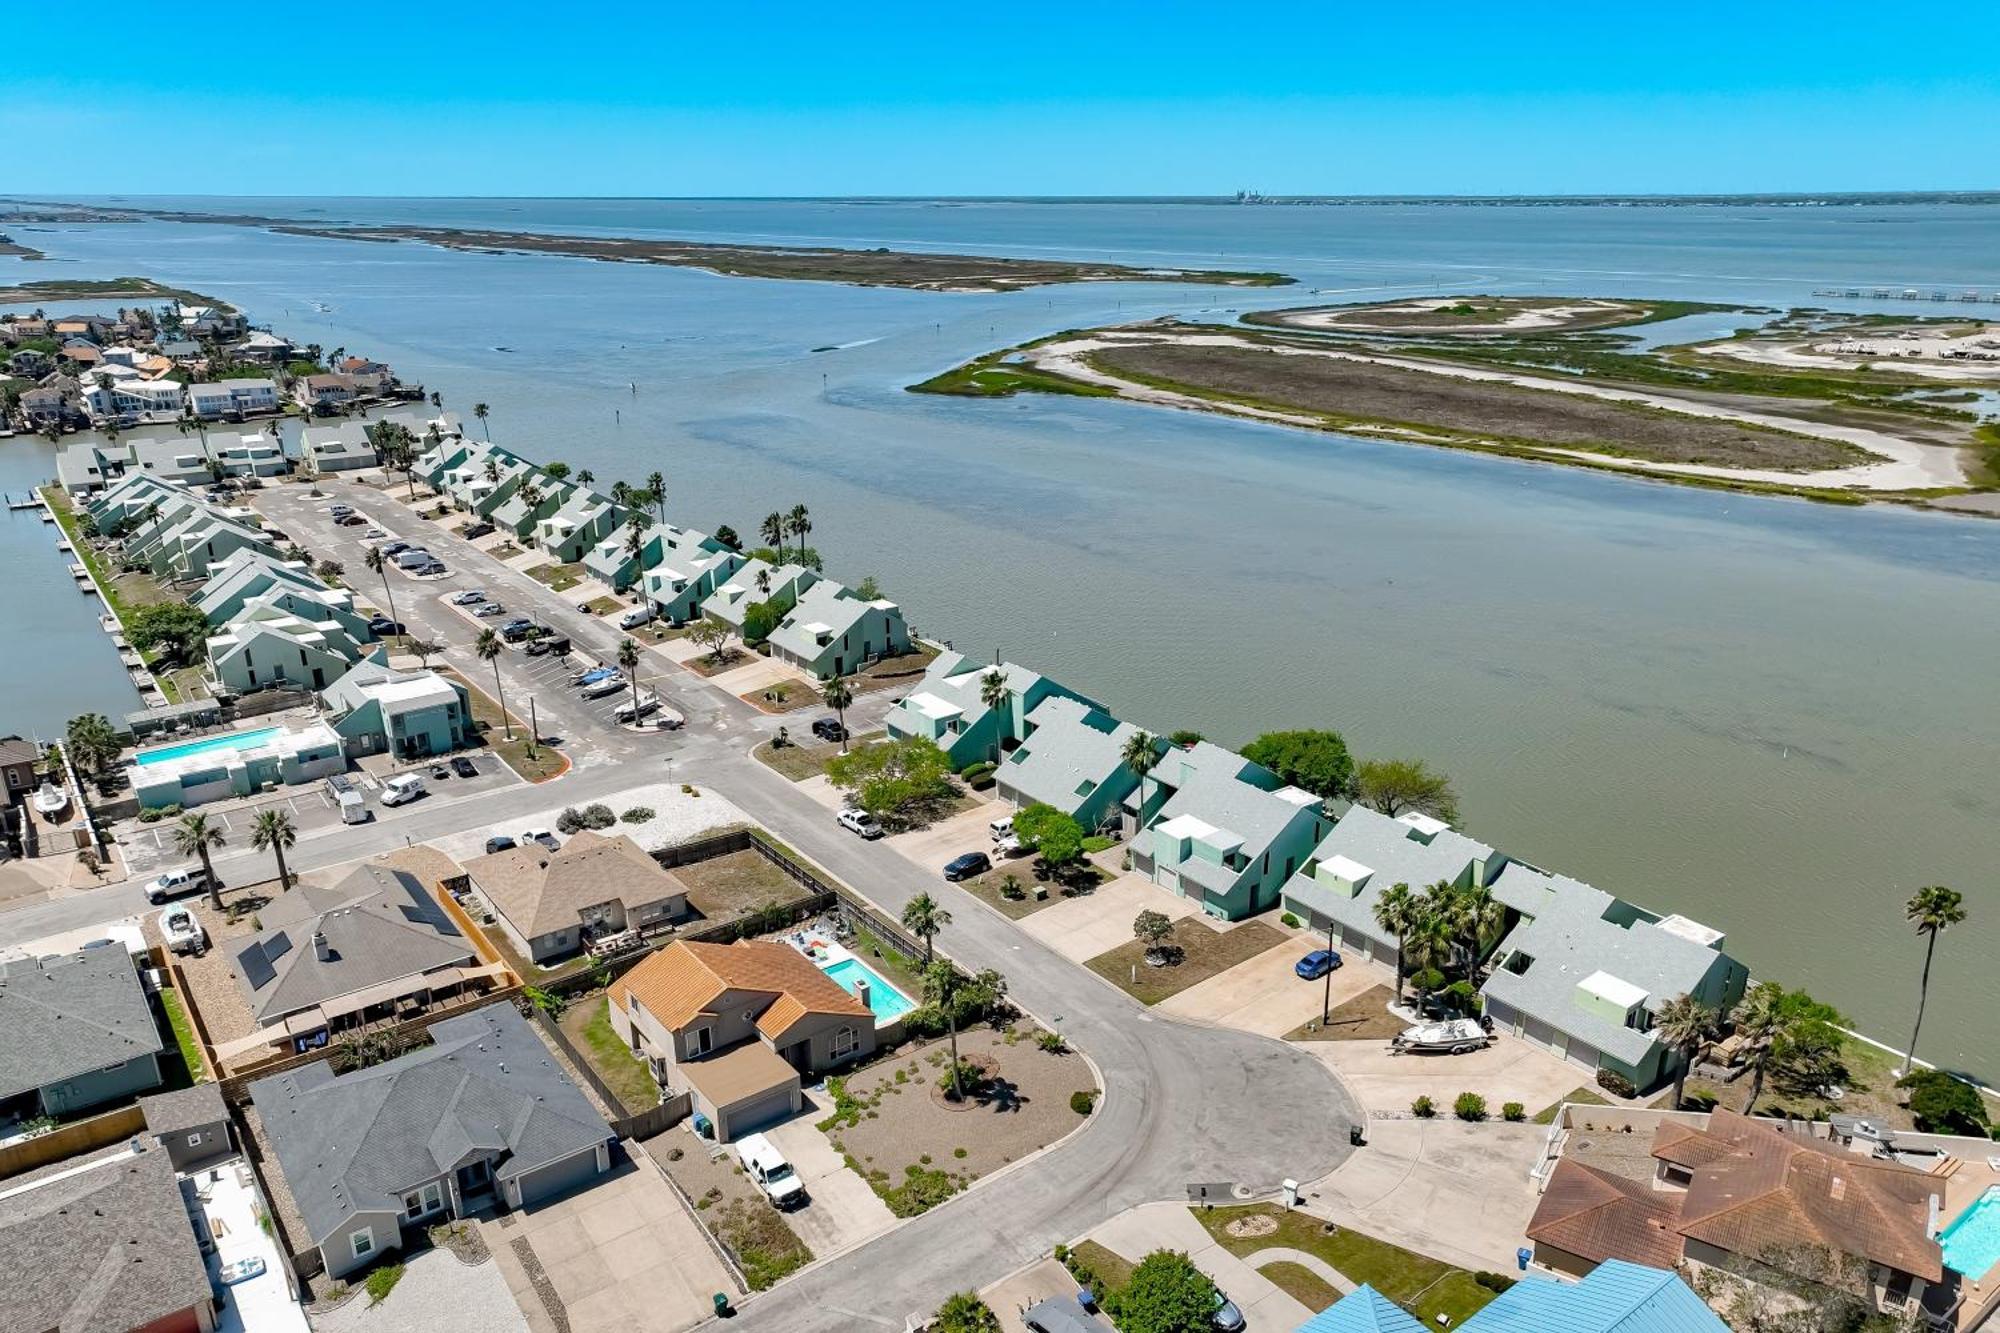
(1597, 1215)
(686, 979)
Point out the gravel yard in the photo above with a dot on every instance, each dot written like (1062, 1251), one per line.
(437, 1292)
(730, 1206)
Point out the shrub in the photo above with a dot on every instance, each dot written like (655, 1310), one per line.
(638, 814)
(977, 775)
(150, 815)
(1943, 1104)
(1513, 1111)
(598, 816)
(1011, 887)
(569, 821)
(1615, 1083)
(965, 1313)
(964, 1076)
(1423, 1108)
(383, 1281)
(1083, 1101)
(1289, 920)
(1492, 1281)
(1462, 996)
(1052, 1042)
(1427, 981)
(1469, 1106)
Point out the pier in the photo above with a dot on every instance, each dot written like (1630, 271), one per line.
(1969, 297)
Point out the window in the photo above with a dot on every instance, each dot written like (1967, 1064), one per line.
(844, 1042)
(362, 1242)
(697, 1041)
(194, 1141)
(426, 1200)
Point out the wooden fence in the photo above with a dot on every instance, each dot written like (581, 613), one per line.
(79, 1136)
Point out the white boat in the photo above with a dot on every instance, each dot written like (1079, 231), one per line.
(51, 799)
(182, 931)
(1455, 1036)
(241, 1270)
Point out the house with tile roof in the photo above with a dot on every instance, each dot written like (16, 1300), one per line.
(948, 707)
(834, 631)
(1072, 757)
(105, 1244)
(1220, 830)
(76, 1031)
(484, 1113)
(551, 904)
(333, 956)
(1749, 1199)
(737, 1025)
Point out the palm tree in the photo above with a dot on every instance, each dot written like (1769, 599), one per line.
(1475, 916)
(195, 836)
(1396, 912)
(493, 471)
(1760, 1020)
(838, 695)
(942, 985)
(923, 918)
(585, 477)
(488, 650)
(800, 523)
(437, 400)
(1141, 753)
(1683, 1024)
(656, 486)
(1932, 910)
(379, 564)
(628, 659)
(993, 693)
(274, 832)
(635, 542)
(1432, 939)
(774, 532)
(764, 582)
(481, 410)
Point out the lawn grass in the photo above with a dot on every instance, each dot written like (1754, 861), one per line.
(781, 696)
(602, 606)
(1300, 1283)
(1203, 953)
(1868, 1091)
(1424, 1286)
(903, 971)
(177, 1019)
(1114, 1270)
(763, 1244)
(560, 578)
(545, 763)
(801, 760)
(893, 672)
(1365, 1017)
(588, 1026)
(1582, 1096)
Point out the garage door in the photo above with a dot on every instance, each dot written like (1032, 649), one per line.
(1587, 1056)
(1538, 1032)
(751, 1116)
(548, 1181)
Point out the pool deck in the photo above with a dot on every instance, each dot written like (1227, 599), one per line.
(248, 738)
(827, 954)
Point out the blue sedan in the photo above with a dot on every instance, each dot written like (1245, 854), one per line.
(1317, 964)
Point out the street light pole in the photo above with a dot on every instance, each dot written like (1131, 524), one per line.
(1326, 1002)
(533, 726)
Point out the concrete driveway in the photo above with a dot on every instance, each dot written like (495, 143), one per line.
(1455, 1191)
(1509, 1070)
(947, 839)
(1137, 1232)
(1083, 927)
(844, 1211)
(1264, 994)
(1038, 1282)
(619, 1256)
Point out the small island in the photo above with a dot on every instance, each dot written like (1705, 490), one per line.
(104, 289)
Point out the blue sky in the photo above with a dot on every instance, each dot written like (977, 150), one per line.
(1096, 98)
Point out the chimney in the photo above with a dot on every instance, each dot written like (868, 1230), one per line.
(321, 950)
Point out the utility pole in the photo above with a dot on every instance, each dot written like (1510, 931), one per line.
(532, 726)
(1326, 1001)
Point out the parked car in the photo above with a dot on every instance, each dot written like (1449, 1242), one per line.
(829, 729)
(489, 609)
(1317, 964)
(1227, 1318)
(394, 549)
(860, 822)
(434, 567)
(773, 1174)
(541, 837)
(401, 789)
(382, 627)
(374, 535)
(478, 530)
(537, 647)
(440, 771)
(350, 520)
(516, 629)
(965, 867)
(500, 843)
(175, 883)
(464, 767)
(467, 598)
(182, 932)
(340, 511)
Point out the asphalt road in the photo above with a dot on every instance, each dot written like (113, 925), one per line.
(1183, 1103)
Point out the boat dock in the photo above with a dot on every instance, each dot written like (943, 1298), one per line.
(1968, 297)
(143, 680)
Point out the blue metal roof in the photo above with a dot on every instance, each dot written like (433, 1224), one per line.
(1616, 1297)
(1365, 1310)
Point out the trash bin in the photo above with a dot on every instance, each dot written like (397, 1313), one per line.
(1354, 1136)
(722, 1303)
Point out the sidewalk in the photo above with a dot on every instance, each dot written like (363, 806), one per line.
(1139, 1231)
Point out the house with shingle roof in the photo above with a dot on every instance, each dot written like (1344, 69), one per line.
(551, 904)
(689, 568)
(76, 1031)
(834, 631)
(105, 1245)
(328, 956)
(948, 707)
(1072, 757)
(484, 1112)
(737, 1025)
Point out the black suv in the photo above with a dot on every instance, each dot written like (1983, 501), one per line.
(829, 729)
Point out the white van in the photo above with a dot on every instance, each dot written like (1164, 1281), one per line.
(397, 790)
(1002, 828)
(354, 810)
(637, 616)
(773, 1174)
(414, 558)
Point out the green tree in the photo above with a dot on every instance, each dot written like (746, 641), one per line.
(556, 471)
(379, 564)
(760, 619)
(481, 411)
(585, 477)
(274, 832)
(1943, 1104)
(1184, 738)
(1166, 1294)
(964, 1312)
(1153, 928)
(329, 571)
(488, 649)
(656, 487)
(868, 589)
(93, 746)
(725, 537)
(1316, 761)
(1932, 910)
(1141, 754)
(773, 530)
(943, 985)
(195, 836)
(1683, 1024)
(894, 779)
(993, 693)
(1790, 1037)
(1394, 786)
(628, 661)
(1396, 911)
(712, 634)
(799, 523)
(1432, 939)
(175, 630)
(1476, 918)
(425, 649)
(1050, 833)
(838, 695)
(923, 918)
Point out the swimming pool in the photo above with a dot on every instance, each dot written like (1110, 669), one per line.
(232, 740)
(888, 1003)
(1971, 1244)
